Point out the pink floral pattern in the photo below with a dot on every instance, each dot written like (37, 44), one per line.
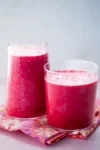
(40, 130)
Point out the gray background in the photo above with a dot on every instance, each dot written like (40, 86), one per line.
(71, 27)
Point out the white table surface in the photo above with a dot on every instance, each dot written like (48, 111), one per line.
(20, 141)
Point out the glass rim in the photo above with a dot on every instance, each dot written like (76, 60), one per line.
(82, 60)
(26, 49)
(15, 45)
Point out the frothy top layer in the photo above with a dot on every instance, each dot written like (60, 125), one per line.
(71, 78)
(26, 50)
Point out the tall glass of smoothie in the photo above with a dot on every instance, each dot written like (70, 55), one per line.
(70, 91)
(25, 80)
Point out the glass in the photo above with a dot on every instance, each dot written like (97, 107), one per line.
(25, 80)
(70, 90)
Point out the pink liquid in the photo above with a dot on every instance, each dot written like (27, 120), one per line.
(25, 83)
(70, 99)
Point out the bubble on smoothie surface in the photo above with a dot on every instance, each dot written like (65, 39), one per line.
(26, 50)
(72, 78)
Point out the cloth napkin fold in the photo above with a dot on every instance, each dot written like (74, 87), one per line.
(39, 129)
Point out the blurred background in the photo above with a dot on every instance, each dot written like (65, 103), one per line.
(71, 28)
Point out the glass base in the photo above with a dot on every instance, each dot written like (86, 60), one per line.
(32, 118)
(28, 118)
(75, 129)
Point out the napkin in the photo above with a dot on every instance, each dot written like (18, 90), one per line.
(39, 129)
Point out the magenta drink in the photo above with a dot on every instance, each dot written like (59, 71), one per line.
(25, 81)
(70, 95)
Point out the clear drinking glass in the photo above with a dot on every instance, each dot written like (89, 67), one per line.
(25, 80)
(70, 90)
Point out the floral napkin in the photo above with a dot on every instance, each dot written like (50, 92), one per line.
(40, 130)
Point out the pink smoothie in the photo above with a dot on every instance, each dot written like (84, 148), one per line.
(70, 99)
(25, 82)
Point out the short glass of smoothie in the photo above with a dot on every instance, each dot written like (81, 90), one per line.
(70, 90)
(25, 80)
